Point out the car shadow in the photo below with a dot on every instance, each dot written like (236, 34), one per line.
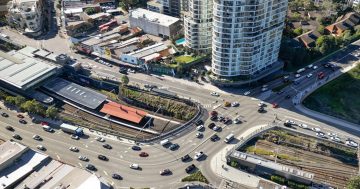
(234, 141)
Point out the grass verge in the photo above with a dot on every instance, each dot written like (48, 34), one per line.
(197, 176)
(338, 98)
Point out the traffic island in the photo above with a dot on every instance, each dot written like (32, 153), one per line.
(197, 176)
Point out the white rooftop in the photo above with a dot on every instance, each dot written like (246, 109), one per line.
(21, 70)
(10, 149)
(151, 16)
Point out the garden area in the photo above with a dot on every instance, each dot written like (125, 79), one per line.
(197, 176)
(338, 98)
(323, 159)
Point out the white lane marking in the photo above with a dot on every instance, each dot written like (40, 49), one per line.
(80, 165)
(121, 156)
(303, 121)
(58, 157)
(106, 173)
(86, 146)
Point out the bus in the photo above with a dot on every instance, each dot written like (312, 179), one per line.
(229, 138)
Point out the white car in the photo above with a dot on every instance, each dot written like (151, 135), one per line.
(332, 134)
(310, 66)
(261, 104)
(316, 129)
(309, 75)
(335, 139)
(214, 94)
(199, 135)
(297, 75)
(198, 155)
(304, 126)
(37, 137)
(247, 93)
(73, 149)
(200, 127)
(134, 166)
(264, 89)
(237, 120)
(234, 104)
(216, 128)
(131, 70)
(75, 137)
(83, 158)
(40, 147)
(351, 143)
(321, 134)
(315, 67)
(100, 139)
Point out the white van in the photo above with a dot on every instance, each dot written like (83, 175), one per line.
(164, 142)
(229, 138)
(47, 128)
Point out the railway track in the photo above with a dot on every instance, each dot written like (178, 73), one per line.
(103, 124)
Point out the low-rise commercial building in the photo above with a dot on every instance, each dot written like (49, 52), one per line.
(155, 23)
(140, 57)
(155, 6)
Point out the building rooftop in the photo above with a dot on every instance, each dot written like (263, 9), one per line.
(21, 70)
(10, 149)
(75, 93)
(155, 17)
(123, 112)
(272, 165)
(24, 165)
(149, 50)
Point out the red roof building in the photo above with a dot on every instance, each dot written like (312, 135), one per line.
(123, 112)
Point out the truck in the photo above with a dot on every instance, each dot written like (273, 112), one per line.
(72, 129)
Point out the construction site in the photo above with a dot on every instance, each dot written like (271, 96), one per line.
(332, 164)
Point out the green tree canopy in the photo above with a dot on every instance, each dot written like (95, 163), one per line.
(354, 183)
(124, 80)
(51, 112)
(33, 106)
(10, 100)
(321, 29)
(325, 44)
(298, 31)
(19, 100)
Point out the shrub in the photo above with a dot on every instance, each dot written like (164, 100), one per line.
(197, 176)
(278, 179)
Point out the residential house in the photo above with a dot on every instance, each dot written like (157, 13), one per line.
(346, 22)
(308, 39)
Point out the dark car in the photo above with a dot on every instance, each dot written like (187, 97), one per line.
(280, 92)
(213, 113)
(185, 158)
(90, 167)
(261, 110)
(221, 118)
(4, 114)
(136, 148)
(199, 122)
(123, 70)
(102, 157)
(190, 168)
(22, 121)
(214, 138)
(107, 146)
(287, 96)
(20, 116)
(16, 136)
(116, 176)
(211, 125)
(227, 120)
(213, 118)
(9, 128)
(174, 146)
(143, 154)
(165, 172)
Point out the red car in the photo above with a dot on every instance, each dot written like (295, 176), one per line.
(20, 116)
(321, 75)
(44, 123)
(213, 113)
(275, 105)
(143, 154)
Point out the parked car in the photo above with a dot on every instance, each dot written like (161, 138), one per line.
(315, 67)
(102, 157)
(100, 139)
(261, 110)
(213, 118)
(304, 126)
(213, 113)
(4, 114)
(22, 121)
(199, 122)
(143, 154)
(262, 104)
(74, 149)
(321, 75)
(20, 116)
(321, 134)
(235, 104)
(335, 139)
(16, 136)
(275, 105)
(83, 158)
(136, 148)
(200, 127)
(221, 118)
(309, 75)
(316, 129)
(227, 120)
(198, 155)
(174, 146)
(211, 125)
(214, 138)
(351, 143)
(75, 137)
(237, 120)
(116, 176)
(199, 135)
(165, 172)
(9, 128)
(107, 146)
(134, 166)
(216, 128)
(90, 167)
(214, 94)
(37, 137)
(297, 75)
(247, 93)
(41, 147)
(190, 168)
(185, 157)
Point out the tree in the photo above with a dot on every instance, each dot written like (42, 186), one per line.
(19, 100)
(33, 106)
(51, 112)
(90, 10)
(3, 94)
(298, 31)
(321, 29)
(10, 100)
(354, 183)
(325, 44)
(124, 80)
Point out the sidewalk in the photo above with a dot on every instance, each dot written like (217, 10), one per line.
(218, 165)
